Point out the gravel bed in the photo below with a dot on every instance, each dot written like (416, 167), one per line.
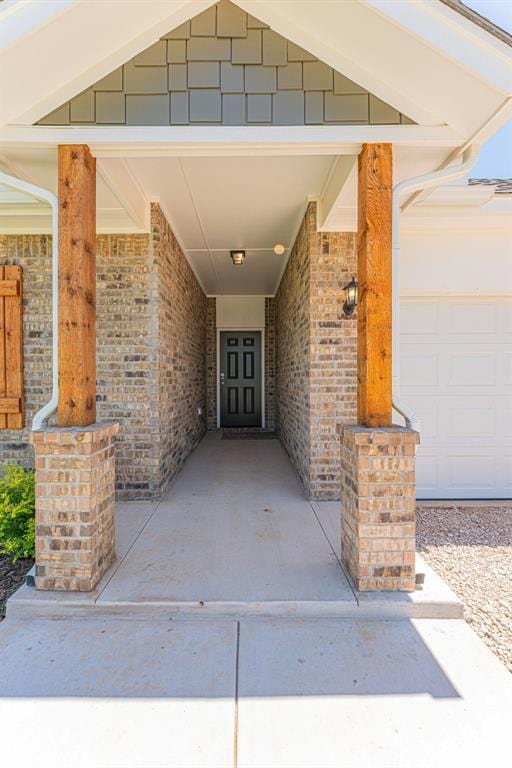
(471, 549)
(12, 576)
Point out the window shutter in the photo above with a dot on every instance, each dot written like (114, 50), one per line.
(11, 348)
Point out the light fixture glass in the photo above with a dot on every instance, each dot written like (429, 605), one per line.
(237, 257)
(350, 297)
(279, 249)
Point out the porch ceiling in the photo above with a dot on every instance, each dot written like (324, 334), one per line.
(216, 204)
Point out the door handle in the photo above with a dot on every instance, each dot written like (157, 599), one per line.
(222, 378)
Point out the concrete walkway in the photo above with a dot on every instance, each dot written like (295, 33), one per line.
(233, 536)
(227, 635)
(109, 693)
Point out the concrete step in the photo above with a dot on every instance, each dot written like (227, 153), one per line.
(434, 601)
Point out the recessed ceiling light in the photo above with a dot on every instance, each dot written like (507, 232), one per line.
(237, 257)
(279, 249)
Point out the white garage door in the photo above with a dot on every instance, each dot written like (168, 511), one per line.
(456, 372)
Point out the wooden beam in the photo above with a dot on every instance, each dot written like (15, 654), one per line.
(9, 288)
(77, 286)
(10, 405)
(13, 318)
(3, 380)
(374, 329)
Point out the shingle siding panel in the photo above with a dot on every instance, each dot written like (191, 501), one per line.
(225, 48)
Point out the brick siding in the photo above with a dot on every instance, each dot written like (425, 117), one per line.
(150, 347)
(292, 308)
(270, 364)
(379, 506)
(75, 533)
(211, 363)
(181, 351)
(34, 254)
(316, 355)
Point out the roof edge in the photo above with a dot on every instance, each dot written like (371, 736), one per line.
(481, 21)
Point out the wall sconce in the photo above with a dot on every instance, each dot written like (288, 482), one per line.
(350, 297)
(237, 257)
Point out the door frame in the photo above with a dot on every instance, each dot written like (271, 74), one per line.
(241, 328)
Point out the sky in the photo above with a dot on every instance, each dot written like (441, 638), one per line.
(496, 155)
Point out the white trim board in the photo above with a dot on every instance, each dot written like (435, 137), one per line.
(161, 141)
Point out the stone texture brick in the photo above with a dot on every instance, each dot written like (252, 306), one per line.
(211, 363)
(378, 506)
(151, 345)
(75, 488)
(34, 254)
(181, 350)
(270, 364)
(316, 355)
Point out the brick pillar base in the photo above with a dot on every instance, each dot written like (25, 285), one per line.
(378, 493)
(75, 539)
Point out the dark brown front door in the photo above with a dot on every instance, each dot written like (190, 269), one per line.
(240, 379)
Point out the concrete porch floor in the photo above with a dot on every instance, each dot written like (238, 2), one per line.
(234, 535)
(245, 645)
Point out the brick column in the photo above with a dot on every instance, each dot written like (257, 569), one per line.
(75, 538)
(378, 493)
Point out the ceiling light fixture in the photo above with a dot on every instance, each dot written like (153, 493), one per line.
(237, 257)
(279, 249)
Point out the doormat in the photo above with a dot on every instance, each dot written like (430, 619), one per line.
(246, 434)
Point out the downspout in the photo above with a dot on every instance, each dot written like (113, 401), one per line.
(415, 184)
(41, 417)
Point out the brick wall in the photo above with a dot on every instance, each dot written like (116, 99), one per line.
(211, 363)
(181, 351)
(151, 346)
(75, 527)
(316, 355)
(333, 350)
(34, 254)
(292, 316)
(270, 364)
(127, 358)
(378, 506)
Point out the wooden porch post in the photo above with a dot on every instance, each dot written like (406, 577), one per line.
(374, 325)
(77, 286)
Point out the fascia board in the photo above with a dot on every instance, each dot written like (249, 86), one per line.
(456, 37)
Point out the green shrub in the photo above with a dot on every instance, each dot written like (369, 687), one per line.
(17, 512)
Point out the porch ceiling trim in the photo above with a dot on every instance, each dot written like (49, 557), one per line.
(170, 141)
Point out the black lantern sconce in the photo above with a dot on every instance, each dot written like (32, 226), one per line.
(350, 297)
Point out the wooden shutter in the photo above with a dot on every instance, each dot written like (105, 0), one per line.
(11, 348)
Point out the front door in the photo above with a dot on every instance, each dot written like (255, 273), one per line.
(240, 379)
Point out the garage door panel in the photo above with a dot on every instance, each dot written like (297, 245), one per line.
(456, 374)
(507, 461)
(507, 364)
(471, 369)
(420, 317)
(419, 369)
(470, 317)
(471, 421)
(471, 472)
(507, 421)
(428, 413)
(427, 474)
